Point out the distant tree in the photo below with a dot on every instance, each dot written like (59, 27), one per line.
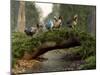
(55, 9)
(14, 14)
(32, 14)
(92, 20)
(23, 14)
(21, 17)
(83, 11)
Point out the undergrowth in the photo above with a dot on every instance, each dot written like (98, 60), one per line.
(87, 51)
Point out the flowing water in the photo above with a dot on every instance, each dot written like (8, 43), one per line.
(56, 61)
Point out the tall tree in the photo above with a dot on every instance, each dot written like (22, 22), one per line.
(92, 20)
(55, 9)
(31, 13)
(21, 17)
(14, 14)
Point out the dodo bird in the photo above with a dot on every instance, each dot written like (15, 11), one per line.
(31, 30)
(73, 21)
(49, 24)
(55, 23)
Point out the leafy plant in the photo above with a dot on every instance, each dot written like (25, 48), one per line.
(90, 63)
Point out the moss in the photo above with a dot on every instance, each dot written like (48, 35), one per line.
(21, 42)
(90, 63)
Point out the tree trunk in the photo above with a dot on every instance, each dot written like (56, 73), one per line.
(21, 17)
(48, 46)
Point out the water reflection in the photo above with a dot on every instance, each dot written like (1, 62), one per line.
(56, 62)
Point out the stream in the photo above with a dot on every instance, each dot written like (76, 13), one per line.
(56, 61)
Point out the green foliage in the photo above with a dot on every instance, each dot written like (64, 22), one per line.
(14, 60)
(20, 44)
(88, 47)
(56, 35)
(87, 50)
(90, 63)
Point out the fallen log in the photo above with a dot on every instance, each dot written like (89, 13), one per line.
(49, 46)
